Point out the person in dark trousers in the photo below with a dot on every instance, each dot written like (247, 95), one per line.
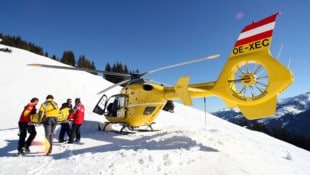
(65, 127)
(25, 126)
(78, 120)
(48, 114)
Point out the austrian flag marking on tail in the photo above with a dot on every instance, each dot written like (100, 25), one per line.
(255, 36)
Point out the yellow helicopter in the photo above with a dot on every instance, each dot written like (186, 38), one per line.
(250, 80)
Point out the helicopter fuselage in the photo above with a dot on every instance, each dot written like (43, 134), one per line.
(139, 106)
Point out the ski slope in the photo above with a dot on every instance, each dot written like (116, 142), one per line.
(187, 141)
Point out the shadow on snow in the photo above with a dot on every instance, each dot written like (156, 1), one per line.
(161, 140)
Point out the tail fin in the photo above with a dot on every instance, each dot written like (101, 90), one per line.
(252, 78)
(255, 36)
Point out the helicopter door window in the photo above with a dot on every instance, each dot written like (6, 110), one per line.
(149, 110)
(121, 107)
(121, 102)
(111, 107)
(116, 106)
(100, 107)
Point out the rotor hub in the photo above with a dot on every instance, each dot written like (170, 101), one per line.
(248, 79)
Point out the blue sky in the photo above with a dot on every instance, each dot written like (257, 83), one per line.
(148, 34)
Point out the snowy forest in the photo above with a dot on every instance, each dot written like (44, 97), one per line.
(68, 57)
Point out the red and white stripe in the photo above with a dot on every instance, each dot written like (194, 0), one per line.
(257, 30)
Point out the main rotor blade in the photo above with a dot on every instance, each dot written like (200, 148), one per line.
(113, 86)
(80, 69)
(181, 64)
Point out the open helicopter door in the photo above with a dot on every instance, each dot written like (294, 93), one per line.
(100, 106)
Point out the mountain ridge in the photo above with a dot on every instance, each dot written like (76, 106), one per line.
(290, 122)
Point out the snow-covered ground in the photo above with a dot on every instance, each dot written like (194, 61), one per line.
(186, 142)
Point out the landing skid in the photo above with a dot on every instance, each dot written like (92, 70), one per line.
(106, 126)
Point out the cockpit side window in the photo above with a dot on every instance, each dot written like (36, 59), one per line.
(122, 102)
(115, 103)
(149, 110)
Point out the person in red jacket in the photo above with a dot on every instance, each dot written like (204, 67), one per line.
(25, 126)
(78, 120)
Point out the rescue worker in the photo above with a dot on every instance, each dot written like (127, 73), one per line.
(48, 115)
(78, 120)
(25, 126)
(65, 127)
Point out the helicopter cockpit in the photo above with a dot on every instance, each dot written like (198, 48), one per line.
(115, 106)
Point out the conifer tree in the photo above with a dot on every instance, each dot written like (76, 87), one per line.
(54, 57)
(68, 58)
(83, 62)
(108, 69)
(20, 43)
(92, 66)
(118, 68)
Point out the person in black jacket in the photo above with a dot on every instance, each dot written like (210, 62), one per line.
(65, 127)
